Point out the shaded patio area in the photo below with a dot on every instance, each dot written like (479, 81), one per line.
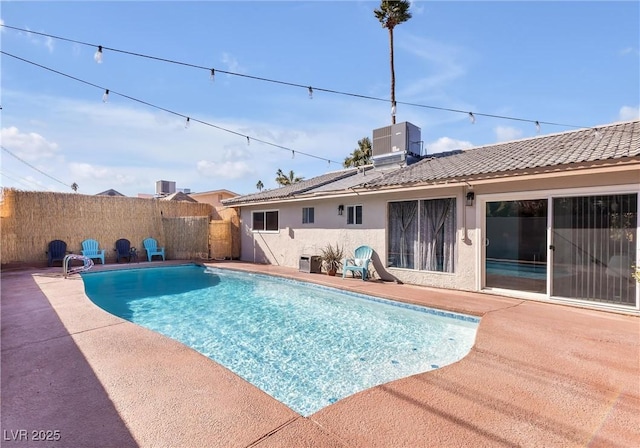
(539, 375)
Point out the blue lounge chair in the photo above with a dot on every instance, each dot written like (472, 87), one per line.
(151, 246)
(91, 249)
(123, 250)
(56, 252)
(359, 263)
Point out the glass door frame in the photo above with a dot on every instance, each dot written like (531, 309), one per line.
(481, 201)
(549, 195)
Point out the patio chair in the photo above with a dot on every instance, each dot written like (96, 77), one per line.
(123, 250)
(151, 246)
(359, 263)
(91, 249)
(56, 252)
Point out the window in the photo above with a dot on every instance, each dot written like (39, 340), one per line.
(422, 234)
(265, 221)
(307, 215)
(354, 214)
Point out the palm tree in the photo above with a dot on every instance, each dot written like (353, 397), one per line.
(361, 155)
(390, 14)
(259, 185)
(284, 179)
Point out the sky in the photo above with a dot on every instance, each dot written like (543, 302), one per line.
(566, 64)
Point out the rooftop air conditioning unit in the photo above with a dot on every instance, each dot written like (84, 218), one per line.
(165, 187)
(396, 144)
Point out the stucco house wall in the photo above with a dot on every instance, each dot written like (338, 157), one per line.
(293, 239)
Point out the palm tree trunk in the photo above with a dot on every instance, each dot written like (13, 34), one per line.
(393, 76)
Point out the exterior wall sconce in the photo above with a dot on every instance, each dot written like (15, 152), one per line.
(470, 198)
(340, 209)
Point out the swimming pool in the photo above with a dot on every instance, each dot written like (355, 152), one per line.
(305, 345)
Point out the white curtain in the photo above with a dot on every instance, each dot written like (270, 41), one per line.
(403, 233)
(438, 217)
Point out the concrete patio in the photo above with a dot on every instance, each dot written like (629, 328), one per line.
(539, 375)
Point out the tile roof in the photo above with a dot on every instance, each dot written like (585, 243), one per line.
(612, 142)
(291, 190)
(615, 141)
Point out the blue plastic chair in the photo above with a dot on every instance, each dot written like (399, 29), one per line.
(91, 249)
(123, 250)
(359, 263)
(151, 246)
(56, 252)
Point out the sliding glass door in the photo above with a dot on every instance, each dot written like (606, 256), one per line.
(516, 245)
(568, 247)
(594, 247)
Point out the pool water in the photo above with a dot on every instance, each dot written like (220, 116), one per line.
(305, 345)
(516, 269)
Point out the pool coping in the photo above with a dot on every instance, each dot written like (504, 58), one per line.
(540, 374)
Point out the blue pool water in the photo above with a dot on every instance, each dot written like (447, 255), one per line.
(515, 269)
(307, 346)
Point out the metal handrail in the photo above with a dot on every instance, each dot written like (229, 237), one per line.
(87, 263)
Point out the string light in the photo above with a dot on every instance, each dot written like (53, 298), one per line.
(212, 77)
(472, 118)
(98, 55)
(537, 127)
(107, 91)
(502, 117)
(310, 92)
(186, 125)
(293, 154)
(105, 97)
(248, 141)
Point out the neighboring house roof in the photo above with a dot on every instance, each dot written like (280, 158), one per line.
(297, 188)
(615, 141)
(222, 191)
(178, 196)
(110, 192)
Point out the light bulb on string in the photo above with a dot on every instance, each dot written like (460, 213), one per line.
(97, 56)
(248, 141)
(310, 92)
(472, 118)
(105, 96)
(212, 77)
(187, 123)
(293, 154)
(538, 127)
(596, 134)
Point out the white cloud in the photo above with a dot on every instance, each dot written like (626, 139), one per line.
(39, 40)
(444, 144)
(629, 50)
(229, 169)
(29, 146)
(628, 113)
(444, 61)
(231, 63)
(506, 133)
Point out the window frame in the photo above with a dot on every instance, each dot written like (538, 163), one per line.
(353, 210)
(308, 215)
(417, 259)
(265, 221)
